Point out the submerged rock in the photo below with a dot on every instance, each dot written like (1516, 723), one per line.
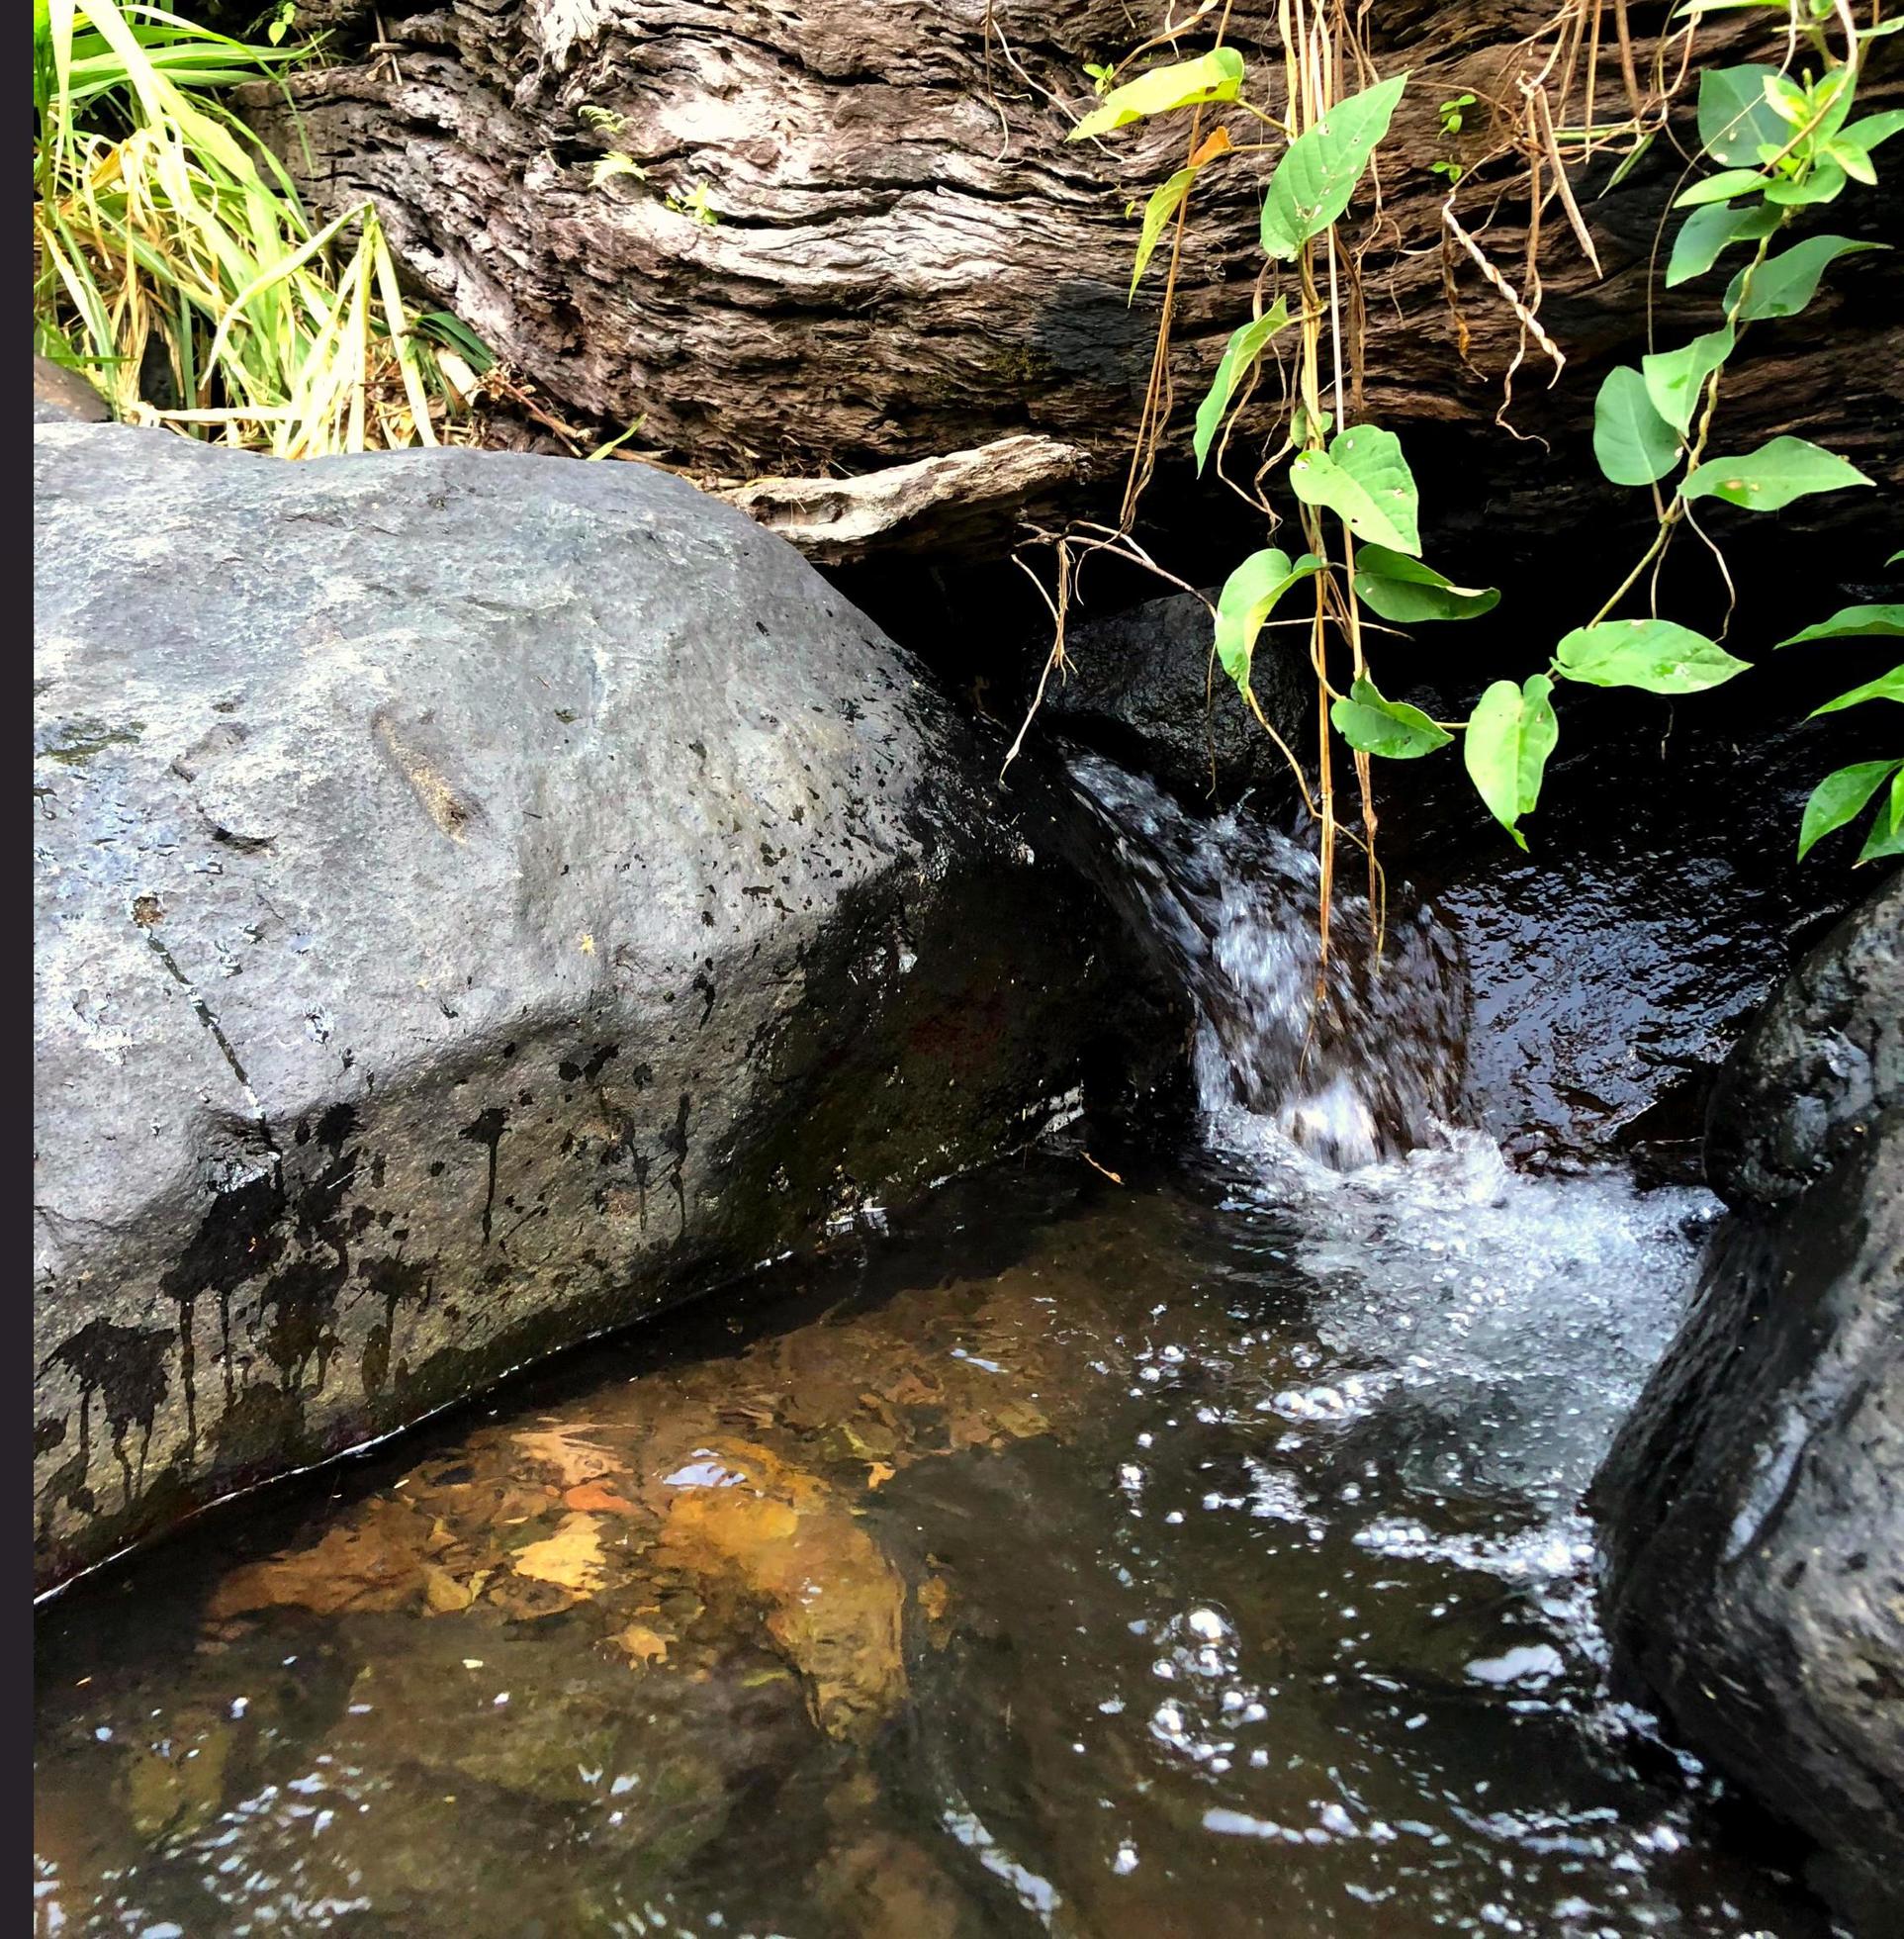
(480, 899)
(1754, 1505)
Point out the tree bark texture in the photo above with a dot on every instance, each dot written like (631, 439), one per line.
(910, 260)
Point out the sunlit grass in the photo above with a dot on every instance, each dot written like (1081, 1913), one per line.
(175, 264)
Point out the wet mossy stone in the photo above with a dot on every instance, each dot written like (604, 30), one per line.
(1754, 1502)
(480, 899)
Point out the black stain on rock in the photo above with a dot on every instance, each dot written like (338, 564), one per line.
(599, 1060)
(125, 1367)
(673, 1141)
(300, 1301)
(335, 1126)
(487, 1130)
(239, 1238)
(397, 1281)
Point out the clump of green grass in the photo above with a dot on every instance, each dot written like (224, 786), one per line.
(175, 264)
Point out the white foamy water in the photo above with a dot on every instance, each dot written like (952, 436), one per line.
(1481, 1330)
(1232, 905)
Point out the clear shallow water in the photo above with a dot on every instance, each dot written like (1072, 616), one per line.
(1192, 1553)
(1193, 1556)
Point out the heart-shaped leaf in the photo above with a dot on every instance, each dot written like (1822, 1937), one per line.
(1319, 171)
(1391, 728)
(1655, 655)
(1240, 356)
(1855, 622)
(1214, 76)
(1634, 445)
(1784, 284)
(1405, 591)
(1510, 733)
(1248, 596)
(1734, 116)
(1674, 378)
(1364, 479)
(1708, 234)
(1840, 798)
(1772, 476)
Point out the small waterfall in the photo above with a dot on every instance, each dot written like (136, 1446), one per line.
(1372, 1072)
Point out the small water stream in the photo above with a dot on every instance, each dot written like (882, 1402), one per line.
(1194, 1553)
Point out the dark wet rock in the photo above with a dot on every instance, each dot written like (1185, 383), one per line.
(481, 900)
(1145, 688)
(1813, 1070)
(1754, 1503)
(61, 396)
(1614, 966)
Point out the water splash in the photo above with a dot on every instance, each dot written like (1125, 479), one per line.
(1370, 1071)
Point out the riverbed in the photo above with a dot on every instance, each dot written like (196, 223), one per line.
(1197, 1551)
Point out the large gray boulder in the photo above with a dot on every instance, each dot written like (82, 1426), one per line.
(480, 899)
(1754, 1503)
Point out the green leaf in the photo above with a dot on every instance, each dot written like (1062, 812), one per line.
(1734, 116)
(1674, 378)
(1787, 99)
(1870, 129)
(1391, 728)
(1157, 211)
(1784, 284)
(1634, 445)
(1770, 477)
(1886, 686)
(1887, 830)
(1240, 356)
(1364, 479)
(1727, 186)
(1510, 733)
(1834, 92)
(1848, 158)
(1248, 596)
(1840, 798)
(1652, 654)
(1855, 622)
(1319, 171)
(1708, 232)
(1825, 183)
(1214, 76)
(1404, 591)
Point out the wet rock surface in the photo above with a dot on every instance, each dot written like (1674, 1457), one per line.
(1143, 688)
(1822, 1060)
(478, 899)
(1754, 1505)
(1614, 966)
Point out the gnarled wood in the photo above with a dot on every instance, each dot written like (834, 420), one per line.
(910, 260)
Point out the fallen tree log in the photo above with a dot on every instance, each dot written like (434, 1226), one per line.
(813, 241)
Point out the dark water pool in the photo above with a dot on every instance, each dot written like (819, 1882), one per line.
(1192, 1555)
